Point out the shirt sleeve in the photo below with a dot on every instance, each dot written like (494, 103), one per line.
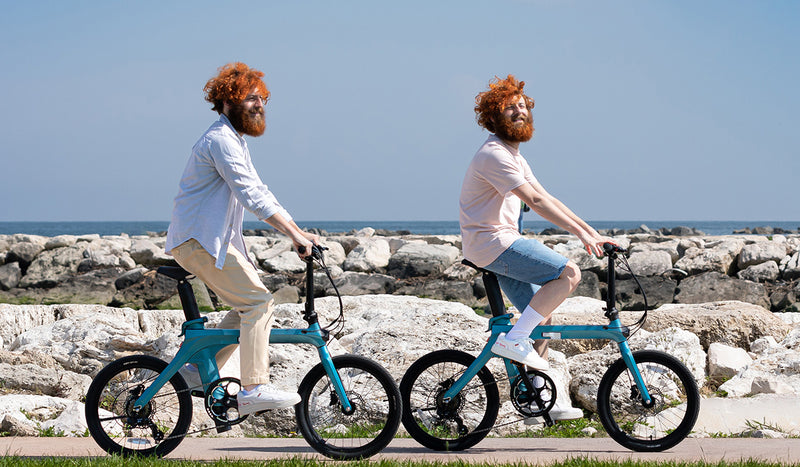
(502, 172)
(239, 173)
(528, 172)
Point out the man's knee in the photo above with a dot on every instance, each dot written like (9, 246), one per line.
(572, 273)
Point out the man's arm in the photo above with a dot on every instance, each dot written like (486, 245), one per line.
(550, 208)
(295, 234)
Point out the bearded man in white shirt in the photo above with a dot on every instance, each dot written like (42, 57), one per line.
(534, 277)
(205, 233)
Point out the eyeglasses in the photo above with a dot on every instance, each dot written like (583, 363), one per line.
(255, 97)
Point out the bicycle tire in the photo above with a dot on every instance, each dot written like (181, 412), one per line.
(459, 424)
(671, 417)
(109, 414)
(368, 429)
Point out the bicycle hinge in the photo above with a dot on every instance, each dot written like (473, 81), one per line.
(612, 314)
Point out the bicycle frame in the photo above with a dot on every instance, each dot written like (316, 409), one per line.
(200, 345)
(501, 322)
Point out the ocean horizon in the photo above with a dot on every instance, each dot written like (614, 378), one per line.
(54, 228)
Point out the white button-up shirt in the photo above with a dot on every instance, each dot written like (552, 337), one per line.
(219, 182)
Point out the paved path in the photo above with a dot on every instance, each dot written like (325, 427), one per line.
(494, 450)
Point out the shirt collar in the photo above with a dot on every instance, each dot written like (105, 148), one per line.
(512, 150)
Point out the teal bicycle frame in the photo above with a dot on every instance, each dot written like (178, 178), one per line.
(501, 322)
(200, 345)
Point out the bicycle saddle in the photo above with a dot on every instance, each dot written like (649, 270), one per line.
(175, 272)
(469, 263)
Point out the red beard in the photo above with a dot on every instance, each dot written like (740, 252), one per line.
(250, 123)
(508, 130)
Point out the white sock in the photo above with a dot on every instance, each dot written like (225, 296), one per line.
(530, 319)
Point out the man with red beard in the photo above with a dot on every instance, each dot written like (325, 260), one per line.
(535, 278)
(205, 233)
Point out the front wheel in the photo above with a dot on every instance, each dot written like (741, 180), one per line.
(458, 423)
(118, 427)
(358, 433)
(654, 426)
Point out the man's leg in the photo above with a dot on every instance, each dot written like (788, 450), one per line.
(540, 306)
(239, 286)
(549, 297)
(536, 279)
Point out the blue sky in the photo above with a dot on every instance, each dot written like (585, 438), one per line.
(650, 110)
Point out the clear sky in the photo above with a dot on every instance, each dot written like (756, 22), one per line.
(645, 110)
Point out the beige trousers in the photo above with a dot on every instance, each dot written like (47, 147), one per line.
(238, 285)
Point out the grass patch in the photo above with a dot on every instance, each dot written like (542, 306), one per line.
(564, 429)
(113, 461)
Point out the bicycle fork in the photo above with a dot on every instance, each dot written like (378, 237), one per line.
(633, 369)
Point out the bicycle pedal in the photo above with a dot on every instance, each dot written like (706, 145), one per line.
(197, 393)
(221, 428)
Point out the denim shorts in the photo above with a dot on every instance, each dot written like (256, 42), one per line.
(524, 267)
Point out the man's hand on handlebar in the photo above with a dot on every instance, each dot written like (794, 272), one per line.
(596, 247)
(304, 244)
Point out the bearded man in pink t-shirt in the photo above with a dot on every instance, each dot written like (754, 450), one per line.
(534, 277)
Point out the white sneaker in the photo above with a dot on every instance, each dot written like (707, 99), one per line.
(264, 397)
(565, 412)
(558, 412)
(520, 351)
(191, 375)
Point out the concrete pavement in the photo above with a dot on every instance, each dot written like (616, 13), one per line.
(493, 450)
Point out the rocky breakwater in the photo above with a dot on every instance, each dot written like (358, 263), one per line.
(745, 358)
(119, 271)
(712, 310)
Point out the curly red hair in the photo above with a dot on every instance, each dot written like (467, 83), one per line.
(233, 83)
(491, 103)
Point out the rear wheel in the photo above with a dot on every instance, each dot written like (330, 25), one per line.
(349, 434)
(116, 425)
(452, 425)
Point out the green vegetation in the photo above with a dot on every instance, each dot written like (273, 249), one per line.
(12, 461)
(565, 429)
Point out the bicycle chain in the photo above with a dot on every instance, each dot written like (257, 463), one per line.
(486, 430)
(189, 390)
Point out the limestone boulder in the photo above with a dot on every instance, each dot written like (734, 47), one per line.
(371, 254)
(725, 361)
(10, 275)
(718, 256)
(52, 266)
(715, 286)
(761, 272)
(761, 252)
(420, 259)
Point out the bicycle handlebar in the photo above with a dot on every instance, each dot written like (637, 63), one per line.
(316, 250)
(611, 248)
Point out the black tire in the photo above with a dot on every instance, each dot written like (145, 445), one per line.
(459, 424)
(159, 427)
(368, 429)
(676, 402)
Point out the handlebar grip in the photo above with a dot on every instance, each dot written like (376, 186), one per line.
(316, 250)
(611, 248)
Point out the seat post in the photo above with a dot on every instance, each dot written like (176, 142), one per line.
(188, 301)
(493, 294)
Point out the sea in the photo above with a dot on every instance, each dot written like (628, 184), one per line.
(52, 229)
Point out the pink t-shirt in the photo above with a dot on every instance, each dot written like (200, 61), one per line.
(488, 211)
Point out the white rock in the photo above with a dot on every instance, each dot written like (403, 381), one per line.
(725, 361)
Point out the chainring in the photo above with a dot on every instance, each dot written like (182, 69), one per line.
(220, 401)
(525, 401)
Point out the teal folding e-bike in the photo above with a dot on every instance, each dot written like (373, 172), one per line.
(141, 405)
(647, 400)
